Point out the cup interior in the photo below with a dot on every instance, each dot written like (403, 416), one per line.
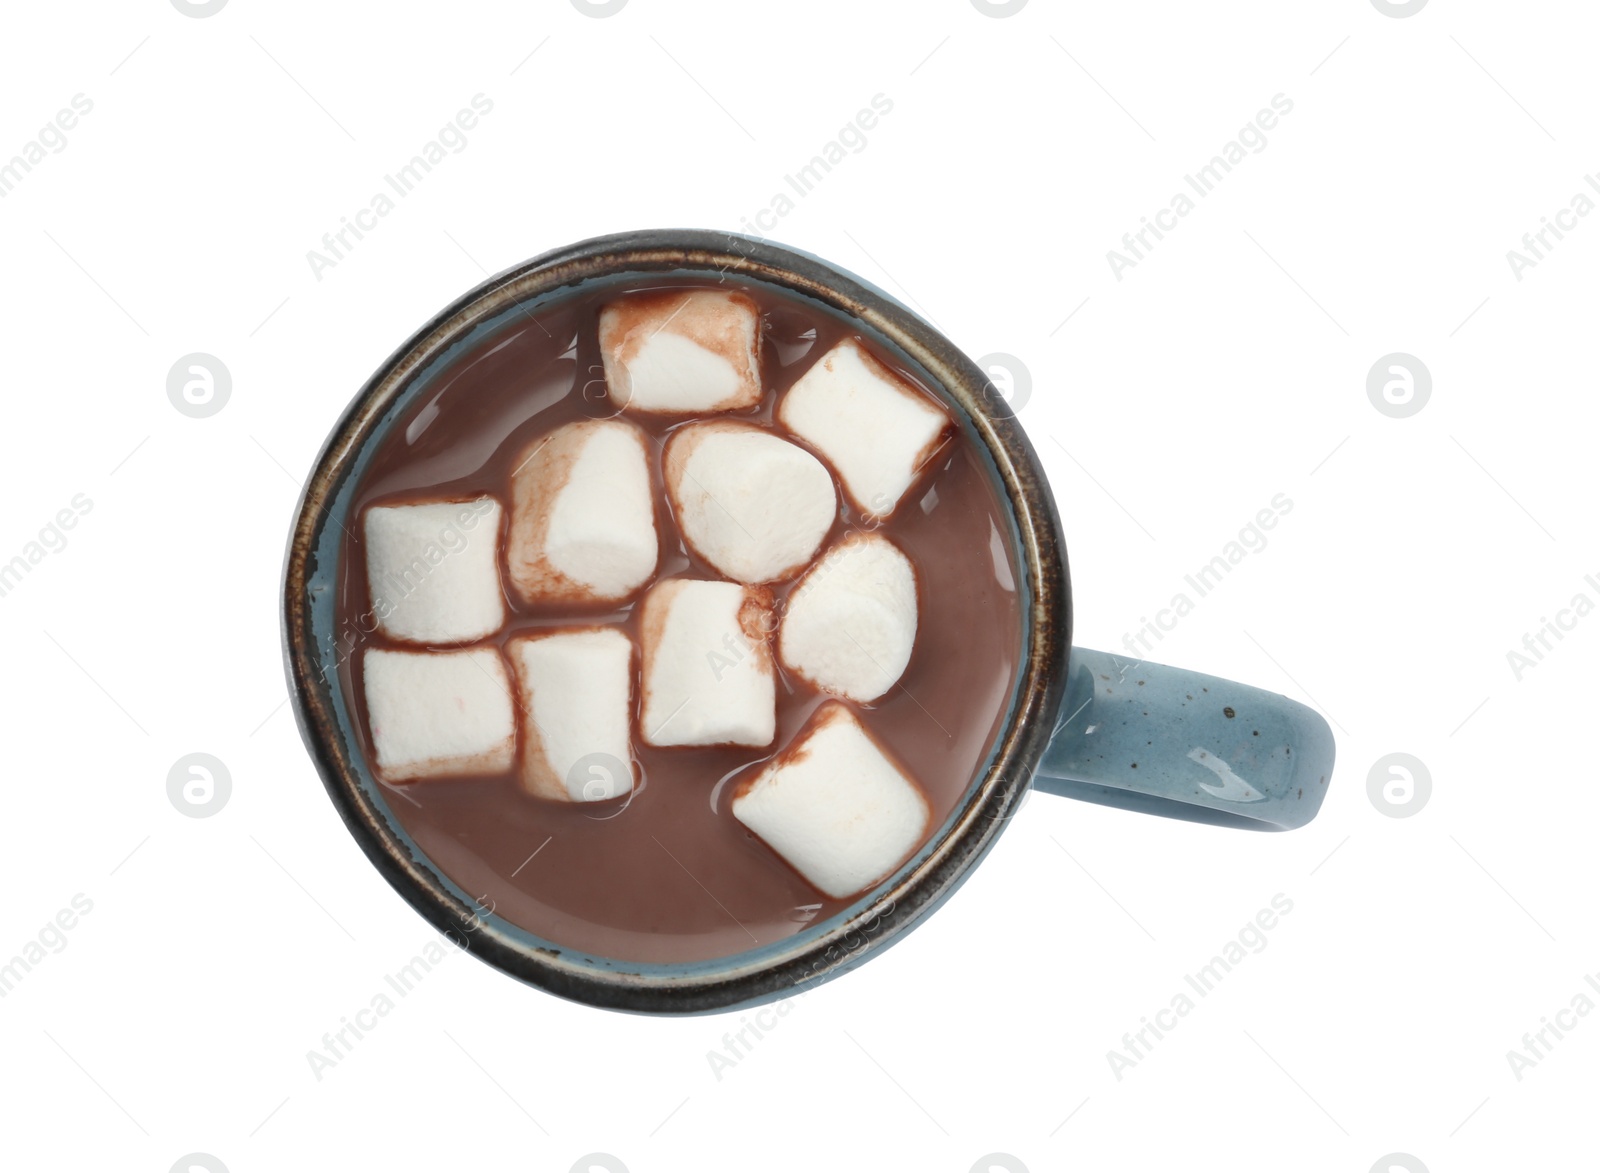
(314, 643)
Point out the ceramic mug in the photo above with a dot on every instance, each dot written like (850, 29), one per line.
(1088, 724)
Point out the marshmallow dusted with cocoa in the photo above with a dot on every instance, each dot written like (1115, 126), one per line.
(575, 699)
(753, 505)
(835, 805)
(682, 353)
(851, 622)
(708, 675)
(433, 570)
(583, 516)
(875, 429)
(437, 714)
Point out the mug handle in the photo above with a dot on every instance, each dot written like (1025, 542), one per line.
(1165, 741)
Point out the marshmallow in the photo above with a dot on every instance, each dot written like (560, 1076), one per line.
(433, 570)
(852, 620)
(835, 805)
(708, 674)
(583, 522)
(575, 693)
(434, 714)
(753, 505)
(877, 430)
(682, 352)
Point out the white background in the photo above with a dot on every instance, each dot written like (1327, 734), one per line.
(1228, 366)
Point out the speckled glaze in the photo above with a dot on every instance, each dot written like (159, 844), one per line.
(1078, 738)
(1166, 741)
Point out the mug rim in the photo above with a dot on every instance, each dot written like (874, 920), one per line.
(895, 906)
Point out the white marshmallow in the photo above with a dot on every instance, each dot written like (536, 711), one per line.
(575, 693)
(583, 521)
(434, 714)
(876, 429)
(708, 673)
(675, 353)
(852, 620)
(750, 503)
(433, 570)
(835, 805)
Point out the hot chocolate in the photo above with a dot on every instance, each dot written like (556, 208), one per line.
(717, 621)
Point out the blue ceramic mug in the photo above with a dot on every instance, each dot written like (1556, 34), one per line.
(1091, 725)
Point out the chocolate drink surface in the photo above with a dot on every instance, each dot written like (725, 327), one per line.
(667, 874)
